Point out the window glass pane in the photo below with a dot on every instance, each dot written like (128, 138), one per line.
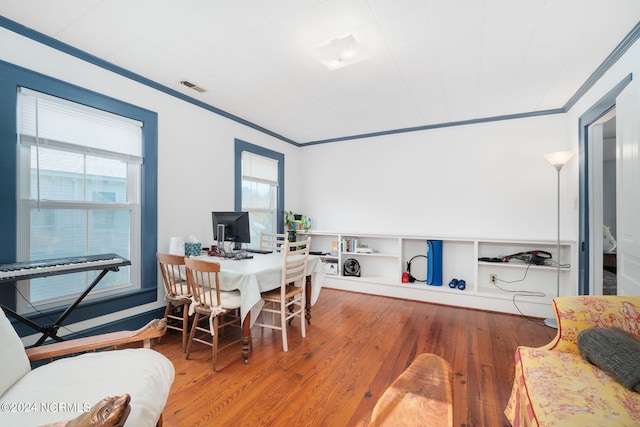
(60, 233)
(57, 233)
(66, 287)
(109, 231)
(261, 222)
(257, 195)
(106, 180)
(61, 176)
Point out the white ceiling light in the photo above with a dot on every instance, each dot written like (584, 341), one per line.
(341, 52)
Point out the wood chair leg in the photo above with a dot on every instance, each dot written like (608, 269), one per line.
(215, 338)
(185, 327)
(303, 326)
(167, 310)
(194, 325)
(283, 325)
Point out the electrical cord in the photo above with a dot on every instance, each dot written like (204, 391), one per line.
(522, 294)
(553, 263)
(526, 271)
(517, 293)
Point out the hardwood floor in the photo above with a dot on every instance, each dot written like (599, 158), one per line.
(355, 347)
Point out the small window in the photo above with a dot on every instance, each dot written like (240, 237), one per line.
(260, 194)
(259, 188)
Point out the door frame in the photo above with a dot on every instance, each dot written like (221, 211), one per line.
(589, 117)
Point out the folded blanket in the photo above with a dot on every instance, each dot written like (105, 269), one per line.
(614, 351)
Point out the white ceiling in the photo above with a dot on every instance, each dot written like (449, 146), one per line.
(431, 61)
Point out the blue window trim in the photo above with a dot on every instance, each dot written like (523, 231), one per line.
(241, 146)
(12, 77)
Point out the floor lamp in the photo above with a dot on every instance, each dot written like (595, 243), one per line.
(557, 159)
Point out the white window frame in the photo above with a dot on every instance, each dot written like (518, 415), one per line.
(242, 146)
(261, 170)
(26, 203)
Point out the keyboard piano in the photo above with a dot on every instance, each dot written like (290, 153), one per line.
(49, 267)
(41, 268)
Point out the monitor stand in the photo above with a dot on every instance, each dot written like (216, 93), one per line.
(221, 230)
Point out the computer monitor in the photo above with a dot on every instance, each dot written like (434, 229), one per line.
(231, 227)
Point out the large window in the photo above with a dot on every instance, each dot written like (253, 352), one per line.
(259, 188)
(79, 174)
(84, 194)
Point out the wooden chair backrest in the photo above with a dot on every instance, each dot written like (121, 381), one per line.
(272, 241)
(204, 282)
(294, 262)
(172, 269)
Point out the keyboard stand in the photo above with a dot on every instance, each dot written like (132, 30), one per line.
(51, 330)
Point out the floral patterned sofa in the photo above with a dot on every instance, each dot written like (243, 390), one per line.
(555, 386)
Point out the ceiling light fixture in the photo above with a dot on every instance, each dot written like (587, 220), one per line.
(341, 52)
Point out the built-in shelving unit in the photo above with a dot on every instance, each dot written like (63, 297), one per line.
(520, 287)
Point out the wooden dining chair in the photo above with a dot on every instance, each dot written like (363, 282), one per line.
(288, 300)
(218, 308)
(177, 296)
(272, 241)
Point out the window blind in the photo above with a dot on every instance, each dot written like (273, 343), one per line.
(59, 124)
(259, 168)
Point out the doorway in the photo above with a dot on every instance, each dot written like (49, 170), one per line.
(602, 206)
(591, 126)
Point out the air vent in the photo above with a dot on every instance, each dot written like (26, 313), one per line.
(193, 86)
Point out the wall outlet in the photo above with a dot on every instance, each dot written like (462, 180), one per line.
(493, 279)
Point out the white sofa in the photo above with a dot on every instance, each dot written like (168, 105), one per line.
(65, 388)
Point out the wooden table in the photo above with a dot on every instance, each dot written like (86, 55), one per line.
(420, 396)
(259, 274)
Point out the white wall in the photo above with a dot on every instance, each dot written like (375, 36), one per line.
(484, 180)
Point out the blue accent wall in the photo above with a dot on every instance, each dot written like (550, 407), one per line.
(12, 77)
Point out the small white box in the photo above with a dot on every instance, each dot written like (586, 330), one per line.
(331, 267)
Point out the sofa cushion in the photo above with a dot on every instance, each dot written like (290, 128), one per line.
(63, 389)
(614, 351)
(557, 388)
(13, 359)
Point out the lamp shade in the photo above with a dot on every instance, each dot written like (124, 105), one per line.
(559, 158)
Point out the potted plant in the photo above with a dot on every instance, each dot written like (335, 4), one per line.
(294, 222)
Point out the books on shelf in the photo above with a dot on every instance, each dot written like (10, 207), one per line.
(353, 245)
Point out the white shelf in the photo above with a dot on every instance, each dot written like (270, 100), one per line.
(381, 271)
(522, 265)
(373, 254)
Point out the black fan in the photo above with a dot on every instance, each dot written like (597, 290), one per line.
(351, 268)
